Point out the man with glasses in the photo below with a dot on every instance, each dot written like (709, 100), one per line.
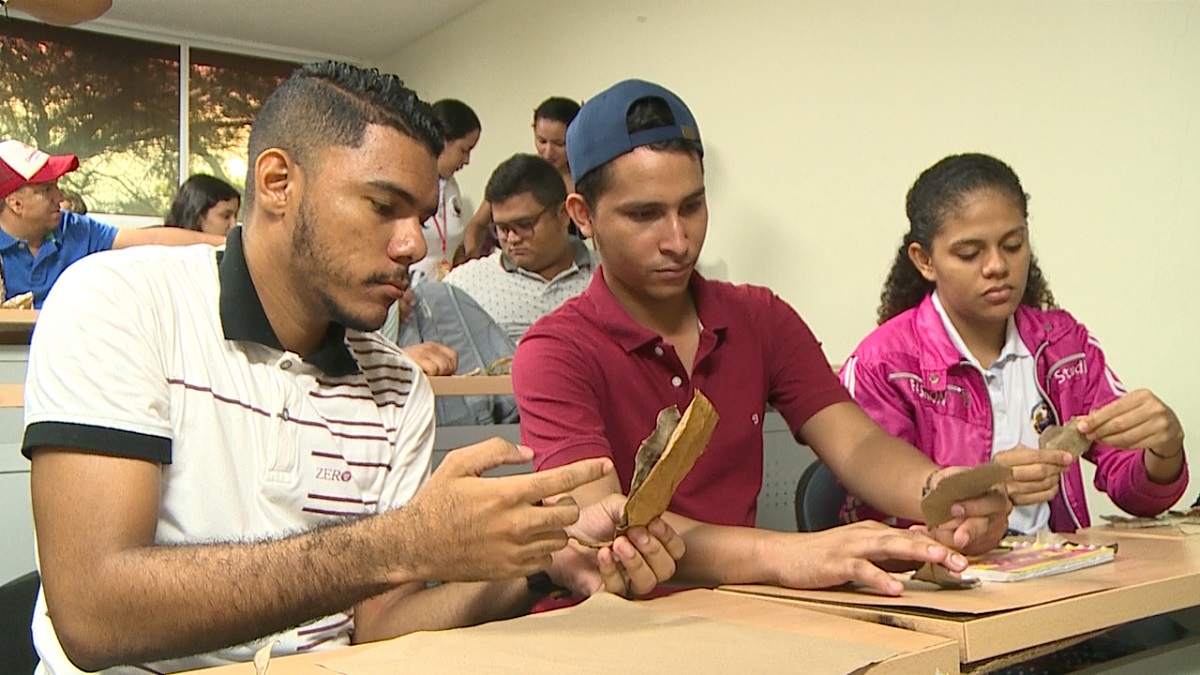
(538, 266)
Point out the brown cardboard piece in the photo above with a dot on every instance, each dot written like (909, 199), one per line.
(969, 484)
(746, 630)
(654, 446)
(1066, 437)
(607, 634)
(687, 442)
(935, 506)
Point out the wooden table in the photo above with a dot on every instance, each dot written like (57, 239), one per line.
(916, 652)
(1160, 532)
(1150, 576)
(16, 325)
(471, 385)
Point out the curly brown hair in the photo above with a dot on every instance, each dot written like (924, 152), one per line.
(938, 192)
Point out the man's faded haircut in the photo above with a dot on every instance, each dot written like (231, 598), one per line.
(328, 104)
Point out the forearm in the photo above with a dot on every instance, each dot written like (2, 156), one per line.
(154, 602)
(895, 489)
(723, 554)
(451, 605)
(163, 236)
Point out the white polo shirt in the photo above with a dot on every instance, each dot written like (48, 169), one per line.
(165, 354)
(516, 297)
(1012, 389)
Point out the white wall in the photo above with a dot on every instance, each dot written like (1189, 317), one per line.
(817, 116)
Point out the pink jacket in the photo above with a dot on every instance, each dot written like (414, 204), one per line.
(909, 377)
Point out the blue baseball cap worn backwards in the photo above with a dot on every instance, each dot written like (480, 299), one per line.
(598, 134)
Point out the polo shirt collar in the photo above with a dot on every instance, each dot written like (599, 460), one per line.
(583, 257)
(243, 316)
(1013, 347)
(52, 237)
(631, 335)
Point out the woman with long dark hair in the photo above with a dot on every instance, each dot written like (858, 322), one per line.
(205, 204)
(972, 360)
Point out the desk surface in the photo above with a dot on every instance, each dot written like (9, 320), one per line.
(1150, 576)
(471, 385)
(16, 325)
(912, 652)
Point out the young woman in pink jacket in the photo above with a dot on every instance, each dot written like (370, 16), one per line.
(972, 359)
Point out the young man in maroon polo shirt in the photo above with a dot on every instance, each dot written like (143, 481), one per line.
(590, 377)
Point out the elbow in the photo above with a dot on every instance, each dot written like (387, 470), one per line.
(84, 649)
(87, 639)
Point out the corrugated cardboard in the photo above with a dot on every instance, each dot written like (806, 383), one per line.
(708, 629)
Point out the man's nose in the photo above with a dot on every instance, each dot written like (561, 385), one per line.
(407, 244)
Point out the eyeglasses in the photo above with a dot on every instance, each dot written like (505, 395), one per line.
(522, 228)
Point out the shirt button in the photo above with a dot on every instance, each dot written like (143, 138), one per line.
(286, 365)
(676, 381)
(658, 350)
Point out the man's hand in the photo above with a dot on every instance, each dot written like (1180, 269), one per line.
(854, 553)
(978, 524)
(432, 357)
(477, 528)
(633, 565)
(1136, 420)
(1035, 473)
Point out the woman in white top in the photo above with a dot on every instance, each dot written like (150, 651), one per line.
(444, 230)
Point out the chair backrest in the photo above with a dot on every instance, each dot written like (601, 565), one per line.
(819, 499)
(17, 599)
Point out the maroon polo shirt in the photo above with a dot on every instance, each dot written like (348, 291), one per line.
(590, 381)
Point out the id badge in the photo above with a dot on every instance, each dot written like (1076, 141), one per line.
(443, 268)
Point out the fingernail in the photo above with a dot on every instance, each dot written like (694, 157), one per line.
(620, 547)
(957, 510)
(641, 537)
(957, 560)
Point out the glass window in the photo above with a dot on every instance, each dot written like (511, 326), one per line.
(113, 101)
(225, 93)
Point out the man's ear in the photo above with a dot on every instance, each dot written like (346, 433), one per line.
(579, 211)
(277, 182)
(920, 259)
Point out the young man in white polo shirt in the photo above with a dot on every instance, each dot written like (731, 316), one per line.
(224, 459)
(538, 266)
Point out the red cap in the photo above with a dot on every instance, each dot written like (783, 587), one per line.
(22, 164)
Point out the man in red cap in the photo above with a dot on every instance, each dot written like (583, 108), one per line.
(38, 240)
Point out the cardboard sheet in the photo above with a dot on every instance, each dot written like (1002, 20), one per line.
(605, 635)
(921, 596)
